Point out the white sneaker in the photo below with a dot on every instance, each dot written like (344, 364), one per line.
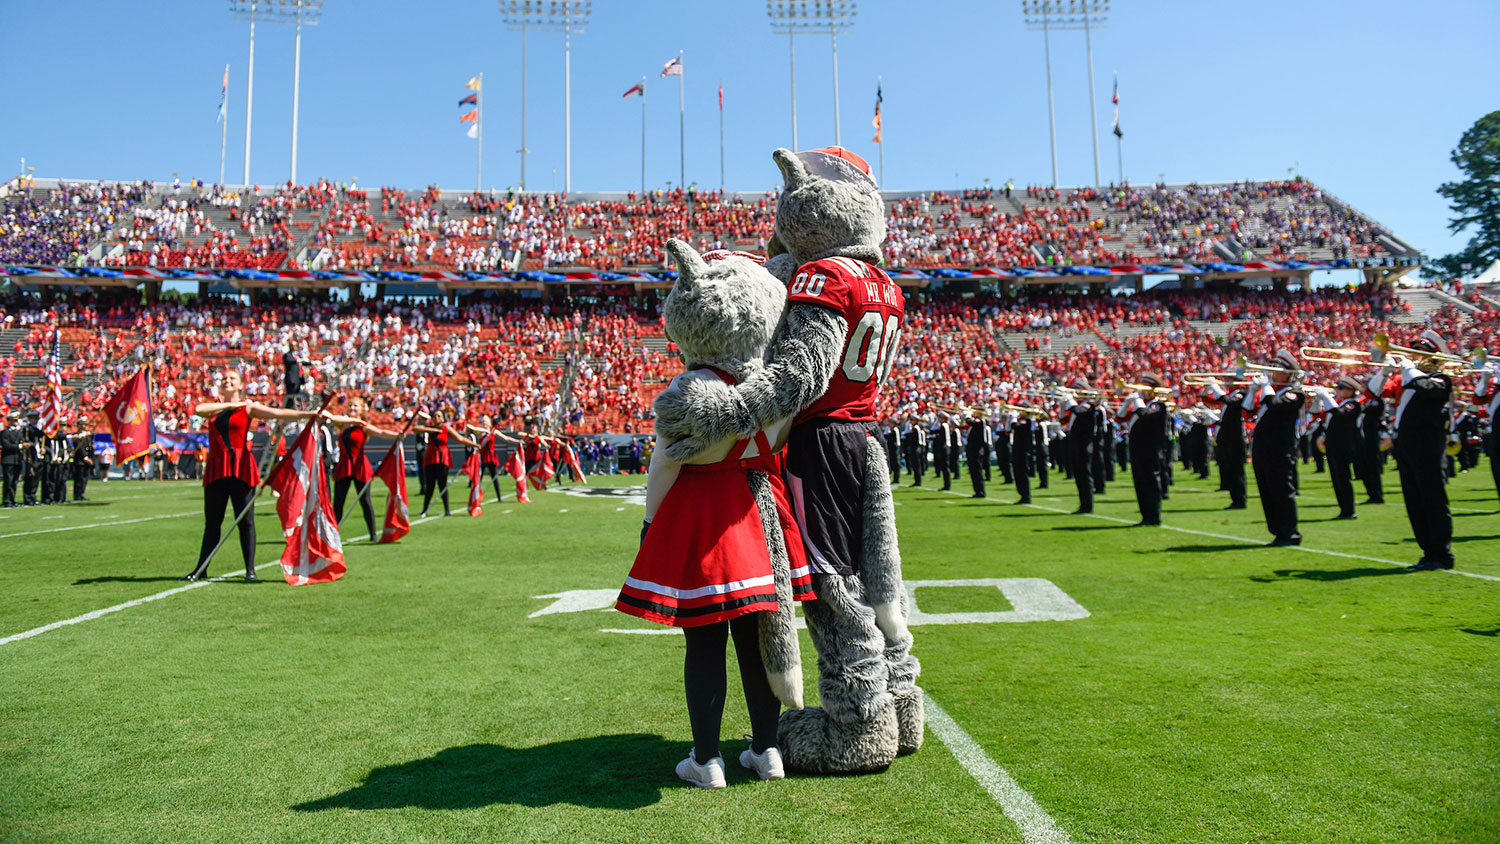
(766, 765)
(710, 775)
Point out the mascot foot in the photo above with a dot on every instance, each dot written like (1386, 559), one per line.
(811, 741)
(911, 717)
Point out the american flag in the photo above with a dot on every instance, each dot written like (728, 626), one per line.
(52, 406)
(673, 67)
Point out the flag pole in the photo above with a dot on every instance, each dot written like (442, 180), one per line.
(479, 136)
(378, 466)
(681, 125)
(721, 136)
(643, 138)
(265, 481)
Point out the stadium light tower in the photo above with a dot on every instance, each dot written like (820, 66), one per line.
(298, 12)
(1049, 15)
(831, 16)
(567, 17)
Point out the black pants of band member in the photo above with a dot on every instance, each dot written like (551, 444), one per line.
(493, 470)
(941, 459)
(215, 496)
(1232, 476)
(704, 680)
(1081, 460)
(80, 481)
(1276, 481)
(10, 477)
(977, 469)
(1020, 468)
(1145, 475)
(341, 490)
(1426, 500)
(30, 479)
(434, 475)
(1041, 470)
(1343, 485)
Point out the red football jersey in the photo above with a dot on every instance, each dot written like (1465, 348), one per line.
(875, 310)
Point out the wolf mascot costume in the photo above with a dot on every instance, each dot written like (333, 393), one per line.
(835, 345)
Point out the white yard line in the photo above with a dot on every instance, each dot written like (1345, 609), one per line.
(1037, 827)
(90, 616)
(1249, 542)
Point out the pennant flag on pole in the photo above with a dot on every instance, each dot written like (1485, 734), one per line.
(637, 88)
(476, 489)
(472, 99)
(472, 84)
(52, 406)
(224, 93)
(314, 553)
(1115, 98)
(129, 414)
(879, 98)
(397, 516)
(721, 96)
(516, 468)
(673, 67)
(469, 117)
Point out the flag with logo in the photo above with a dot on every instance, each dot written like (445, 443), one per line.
(52, 406)
(393, 473)
(476, 489)
(314, 553)
(129, 414)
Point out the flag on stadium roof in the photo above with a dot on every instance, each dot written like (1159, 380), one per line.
(673, 67)
(879, 98)
(224, 93)
(52, 406)
(637, 88)
(472, 99)
(473, 84)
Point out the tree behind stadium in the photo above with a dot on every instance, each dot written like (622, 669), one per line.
(1475, 201)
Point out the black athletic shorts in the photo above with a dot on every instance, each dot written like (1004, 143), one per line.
(825, 476)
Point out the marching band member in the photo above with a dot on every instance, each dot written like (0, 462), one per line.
(1421, 435)
(977, 451)
(1277, 403)
(914, 447)
(1148, 425)
(1023, 439)
(1487, 396)
(1372, 433)
(1229, 443)
(940, 447)
(1340, 440)
(891, 433)
(1079, 420)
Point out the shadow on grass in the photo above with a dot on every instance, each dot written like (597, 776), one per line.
(1208, 549)
(1475, 538)
(618, 772)
(1327, 575)
(1092, 527)
(85, 581)
(1491, 632)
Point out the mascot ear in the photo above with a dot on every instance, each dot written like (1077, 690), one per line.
(690, 264)
(792, 171)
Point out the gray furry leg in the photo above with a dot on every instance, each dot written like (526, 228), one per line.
(856, 729)
(780, 649)
(880, 570)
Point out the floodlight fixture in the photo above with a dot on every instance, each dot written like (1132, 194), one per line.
(567, 17)
(788, 17)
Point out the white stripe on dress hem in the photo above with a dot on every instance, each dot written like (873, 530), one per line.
(688, 594)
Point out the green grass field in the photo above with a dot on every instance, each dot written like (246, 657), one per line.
(1217, 691)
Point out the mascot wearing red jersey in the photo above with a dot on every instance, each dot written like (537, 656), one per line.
(833, 350)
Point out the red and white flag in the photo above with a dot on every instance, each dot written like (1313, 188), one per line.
(673, 67)
(544, 470)
(516, 468)
(314, 553)
(572, 457)
(397, 516)
(637, 89)
(52, 406)
(476, 489)
(129, 416)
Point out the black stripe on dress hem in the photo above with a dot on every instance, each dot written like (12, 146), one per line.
(693, 612)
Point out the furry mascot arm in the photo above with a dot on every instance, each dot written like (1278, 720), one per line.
(702, 413)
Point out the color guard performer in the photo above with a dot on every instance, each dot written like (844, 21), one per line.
(1277, 404)
(353, 467)
(1421, 437)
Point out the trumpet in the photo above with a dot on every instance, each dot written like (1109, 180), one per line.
(976, 411)
(1141, 388)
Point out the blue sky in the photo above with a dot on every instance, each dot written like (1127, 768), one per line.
(1367, 99)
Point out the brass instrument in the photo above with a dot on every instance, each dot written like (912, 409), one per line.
(1443, 361)
(1029, 411)
(1199, 379)
(1243, 365)
(1142, 388)
(1339, 355)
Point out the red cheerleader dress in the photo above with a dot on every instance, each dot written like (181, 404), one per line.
(704, 558)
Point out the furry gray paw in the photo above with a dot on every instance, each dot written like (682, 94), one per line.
(911, 718)
(811, 741)
(688, 417)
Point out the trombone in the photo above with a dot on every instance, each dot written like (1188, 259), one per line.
(1357, 357)
(1029, 411)
(1199, 379)
(1121, 386)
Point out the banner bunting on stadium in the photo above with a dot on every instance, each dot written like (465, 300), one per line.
(314, 552)
(128, 413)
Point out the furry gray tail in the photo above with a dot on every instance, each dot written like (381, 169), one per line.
(780, 650)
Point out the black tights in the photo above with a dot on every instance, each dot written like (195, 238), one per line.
(493, 470)
(341, 490)
(704, 678)
(434, 475)
(215, 496)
